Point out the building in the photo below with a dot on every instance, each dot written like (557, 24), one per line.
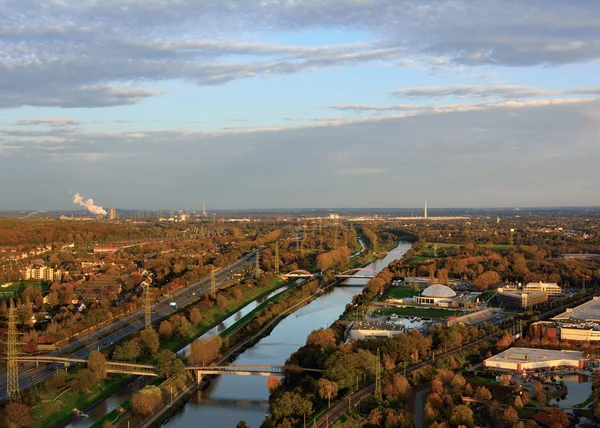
(475, 318)
(519, 359)
(112, 214)
(41, 273)
(517, 299)
(105, 250)
(437, 294)
(586, 312)
(552, 289)
(374, 330)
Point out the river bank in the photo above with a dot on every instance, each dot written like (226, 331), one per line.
(229, 399)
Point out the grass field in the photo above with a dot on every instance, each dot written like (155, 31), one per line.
(429, 247)
(418, 259)
(418, 312)
(399, 292)
(18, 287)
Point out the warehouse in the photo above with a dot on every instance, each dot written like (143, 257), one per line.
(519, 359)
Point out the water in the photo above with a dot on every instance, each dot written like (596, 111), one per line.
(579, 389)
(235, 398)
(123, 394)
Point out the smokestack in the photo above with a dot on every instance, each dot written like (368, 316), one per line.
(425, 210)
(204, 208)
(89, 204)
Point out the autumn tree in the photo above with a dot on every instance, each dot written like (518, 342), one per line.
(487, 280)
(150, 340)
(327, 389)
(165, 330)
(147, 400)
(461, 415)
(290, 404)
(510, 416)
(97, 364)
(273, 383)
(17, 415)
(82, 381)
(558, 418)
(164, 366)
(205, 351)
(195, 317)
(321, 338)
(482, 394)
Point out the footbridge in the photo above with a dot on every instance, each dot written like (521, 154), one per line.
(298, 274)
(358, 273)
(150, 370)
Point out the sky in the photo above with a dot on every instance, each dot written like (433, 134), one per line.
(164, 104)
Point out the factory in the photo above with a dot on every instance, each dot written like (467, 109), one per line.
(520, 359)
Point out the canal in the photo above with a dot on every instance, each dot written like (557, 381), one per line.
(230, 399)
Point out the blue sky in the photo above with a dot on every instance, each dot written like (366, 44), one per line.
(336, 103)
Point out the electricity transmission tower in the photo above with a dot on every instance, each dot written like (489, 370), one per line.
(257, 268)
(335, 237)
(213, 283)
(276, 261)
(378, 378)
(13, 393)
(147, 306)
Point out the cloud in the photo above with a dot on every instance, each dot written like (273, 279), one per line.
(89, 54)
(363, 171)
(49, 122)
(477, 92)
(585, 91)
(364, 107)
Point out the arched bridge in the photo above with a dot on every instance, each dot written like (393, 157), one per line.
(358, 273)
(298, 274)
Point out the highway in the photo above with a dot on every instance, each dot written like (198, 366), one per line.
(113, 333)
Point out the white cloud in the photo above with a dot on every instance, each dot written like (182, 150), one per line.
(469, 91)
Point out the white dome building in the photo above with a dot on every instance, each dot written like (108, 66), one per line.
(436, 294)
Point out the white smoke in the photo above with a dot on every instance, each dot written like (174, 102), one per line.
(89, 204)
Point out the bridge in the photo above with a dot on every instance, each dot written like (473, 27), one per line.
(298, 274)
(358, 273)
(150, 370)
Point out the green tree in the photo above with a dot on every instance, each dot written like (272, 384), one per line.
(82, 381)
(290, 404)
(165, 362)
(97, 364)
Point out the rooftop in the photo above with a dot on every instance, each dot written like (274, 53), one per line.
(363, 325)
(589, 311)
(438, 290)
(517, 355)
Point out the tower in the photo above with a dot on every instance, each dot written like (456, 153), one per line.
(276, 261)
(378, 378)
(13, 393)
(213, 283)
(204, 209)
(257, 268)
(425, 210)
(147, 306)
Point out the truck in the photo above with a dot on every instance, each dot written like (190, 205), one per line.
(173, 304)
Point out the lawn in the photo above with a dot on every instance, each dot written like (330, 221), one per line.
(399, 292)
(18, 287)
(429, 246)
(418, 259)
(418, 312)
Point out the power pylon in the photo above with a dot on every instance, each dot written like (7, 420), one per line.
(335, 237)
(147, 306)
(257, 267)
(276, 261)
(378, 378)
(213, 283)
(13, 393)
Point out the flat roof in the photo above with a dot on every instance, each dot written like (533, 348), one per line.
(519, 355)
(587, 311)
(364, 325)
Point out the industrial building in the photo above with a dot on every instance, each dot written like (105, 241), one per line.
(517, 299)
(519, 359)
(112, 214)
(589, 311)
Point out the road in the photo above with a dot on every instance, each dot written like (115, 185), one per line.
(103, 338)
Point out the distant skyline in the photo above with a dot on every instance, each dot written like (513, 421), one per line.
(289, 104)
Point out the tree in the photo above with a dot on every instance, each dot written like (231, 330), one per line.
(165, 330)
(457, 383)
(165, 362)
(205, 351)
(327, 389)
(242, 424)
(150, 340)
(290, 404)
(483, 394)
(486, 280)
(273, 383)
(558, 418)
(82, 381)
(510, 416)
(17, 415)
(518, 402)
(97, 364)
(461, 415)
(321, 338)
(147, 400)
(195, 316)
